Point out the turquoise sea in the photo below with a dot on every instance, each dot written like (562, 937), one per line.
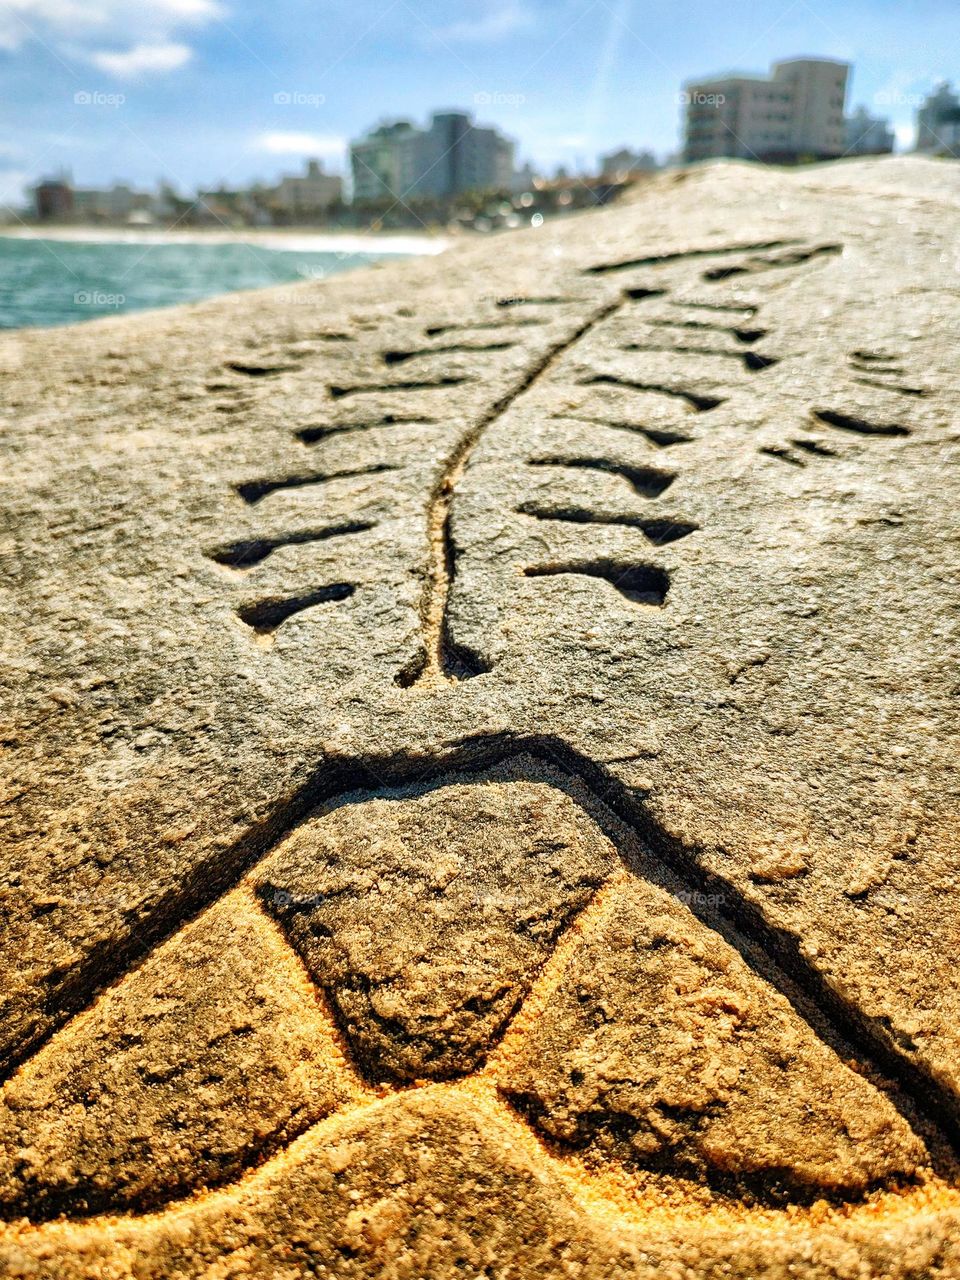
(63, 281)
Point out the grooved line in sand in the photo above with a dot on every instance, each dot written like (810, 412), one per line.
(486, 1084)
(773, 955)
(440, 664)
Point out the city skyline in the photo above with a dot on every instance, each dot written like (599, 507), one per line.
(797, 113)
(206, 91)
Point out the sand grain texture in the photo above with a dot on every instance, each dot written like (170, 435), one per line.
(479, 757)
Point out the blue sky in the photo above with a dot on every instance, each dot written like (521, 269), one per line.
(202, 90)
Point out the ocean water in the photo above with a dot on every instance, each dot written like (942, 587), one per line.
(64, 281)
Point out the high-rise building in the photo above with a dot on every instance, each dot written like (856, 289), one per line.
(452, 155)
(457, 156)
(867, 135)
(308, 195)
(795, 113)
(384, 161)
(53, 198)
(938, 123)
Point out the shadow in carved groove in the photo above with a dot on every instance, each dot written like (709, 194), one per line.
(455, 348)
(254, 491)
(317, 434)
(684, 255)
(658, 531)
(759, 264)
(639, 583)
(387, 388)
(701, 403)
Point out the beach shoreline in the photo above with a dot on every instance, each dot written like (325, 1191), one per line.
(291, 240)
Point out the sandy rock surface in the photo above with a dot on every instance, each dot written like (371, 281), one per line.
(479, 756)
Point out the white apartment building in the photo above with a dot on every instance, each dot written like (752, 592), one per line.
(452, 155)
(455, 156)
(311, 194)
(795, 113)
(384, 162)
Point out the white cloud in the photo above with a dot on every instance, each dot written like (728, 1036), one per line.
(143, 36)
(190, 10)
(300, 144)
(141, 58)
(21, 20)
(495, 24)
